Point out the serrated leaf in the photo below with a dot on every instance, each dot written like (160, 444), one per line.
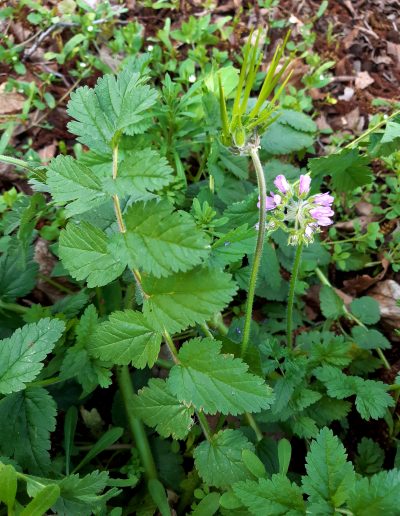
(115, 104)
(330, 477)
(369, 338)
(243, 211)
(347, 168)
(232, 246)
(281, 139)
(160, 241)
(372, 400)
(85, 254)
(327, 410)
(325, 348)
(159, 408)
(16, 279)
(304, 427)
(276, 496)
(42, 501)
(366, 309)
(22, 353)
(370, 457)
(127, 337)
(331, 304)
(29, 415)
(79, 496)
(143, 171)
(297, 120)
(376, 496)
(74, 183)
(219, 461)
(214, 382)
(184, 299)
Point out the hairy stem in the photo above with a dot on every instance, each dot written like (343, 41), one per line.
(292, 288)
(135, 425)
(258, 250)
(351, 317)
(17, 162)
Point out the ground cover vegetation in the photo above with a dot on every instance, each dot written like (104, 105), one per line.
(199, 258)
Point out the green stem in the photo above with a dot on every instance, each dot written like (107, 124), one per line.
(258, 250)
(13, 307)
(351, 317)
(17, 162)
(292, 288)
(254, 426)
(56, 285)
(204, 425)
(372, 129)
(135, 425)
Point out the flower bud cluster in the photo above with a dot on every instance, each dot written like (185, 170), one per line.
(292, 210)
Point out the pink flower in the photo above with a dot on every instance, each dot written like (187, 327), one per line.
(321, 215)
(323, 199)
(271, 201)
(304, 184)
(282, 184)
(310, 230)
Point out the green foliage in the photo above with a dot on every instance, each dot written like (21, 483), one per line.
(30, 415)
(125, 338)
(366, 309)
(158, 407)
(214, 382)
(329, 475)
(23, 352)
(348, 169)
(331, 304)
(219, 461)
(272, 497)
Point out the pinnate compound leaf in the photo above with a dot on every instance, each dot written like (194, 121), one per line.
(219, 461)
(29, 415)
(330, 477)
(127, 337)
(114, 105)
(214, 382)
(184, 299)
(159, 408)
(376, 496)
(372, 399)
(85, 254)
(347, 168)
(160, 241)
(276, 496)
(22, 353)
(72, 182)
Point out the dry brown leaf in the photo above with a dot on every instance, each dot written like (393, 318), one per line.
(349, 225)
(363, 80)
(359, 284)
(387, 293)
(10, 102)
(48, 152)
(393, 49)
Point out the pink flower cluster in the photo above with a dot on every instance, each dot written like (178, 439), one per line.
(308, 213)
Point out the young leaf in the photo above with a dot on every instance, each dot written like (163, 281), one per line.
(330, 477)
(160, 241)
(16, 279)
(115, 104)
(85, 254)
(370, 457)
(157, 407)
(184, 299)
(214, 382)
(22, 353)
(30, 415)
(376, 496)
(275, 496)
(127, 337)
(219, 461)
(74, 183)
(366, 309)
(42, 501)
(8, 485)
(347, 168)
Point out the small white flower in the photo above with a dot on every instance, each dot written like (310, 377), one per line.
(192, 78)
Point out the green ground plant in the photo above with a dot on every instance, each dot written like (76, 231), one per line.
(178, 369)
